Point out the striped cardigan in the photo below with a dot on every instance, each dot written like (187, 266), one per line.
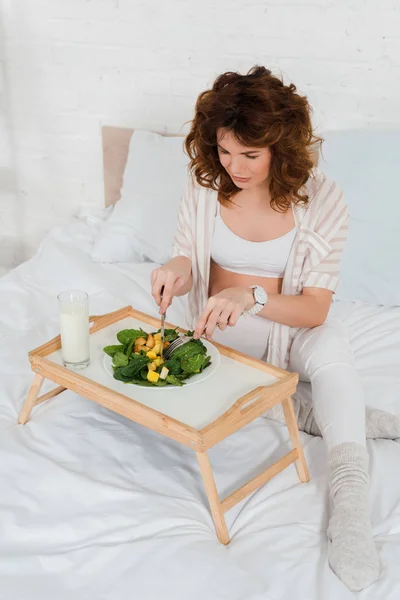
(314, 259)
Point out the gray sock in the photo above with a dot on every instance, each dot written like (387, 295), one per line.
(304, 415)
(352, 553)
(378, 423)
(381, 424)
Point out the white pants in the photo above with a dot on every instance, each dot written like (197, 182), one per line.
(323, 357)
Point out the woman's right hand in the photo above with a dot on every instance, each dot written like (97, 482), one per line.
(172, 279)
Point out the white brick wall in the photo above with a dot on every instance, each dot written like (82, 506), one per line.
(69, 66)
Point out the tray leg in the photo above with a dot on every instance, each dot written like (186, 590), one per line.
(50, 394)
(291, 423)
(34, 400)
(213, 498)
(31, 399)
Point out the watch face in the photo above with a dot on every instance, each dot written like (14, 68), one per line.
(260, 295)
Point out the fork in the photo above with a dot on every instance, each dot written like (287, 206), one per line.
(162, 325)
(180, 341)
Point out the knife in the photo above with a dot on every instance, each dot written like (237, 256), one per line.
(162, 326)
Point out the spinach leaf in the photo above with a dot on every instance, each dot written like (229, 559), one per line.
(193, 364)
(187, 350)
(173, 366)
(184, 376)
(169, 334)
(200, 343)
(120, 359)
(207, 363)
(125, 336)
(111, 350)
(120, 377)
(129, 347)
(174, 380)
(140, 382)
(135, 366)
(143, 373)
(159, 383)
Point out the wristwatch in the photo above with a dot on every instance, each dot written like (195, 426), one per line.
(260, 299)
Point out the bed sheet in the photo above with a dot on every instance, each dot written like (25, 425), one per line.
(93, 506)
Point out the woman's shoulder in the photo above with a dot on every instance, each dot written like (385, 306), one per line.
(326, 209)
(320, 185)
(324, 194)
(196, 192)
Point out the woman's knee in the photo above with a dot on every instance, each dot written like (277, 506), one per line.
(322, 346)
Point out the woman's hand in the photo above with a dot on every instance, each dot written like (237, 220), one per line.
(172, 279)
(224, 309)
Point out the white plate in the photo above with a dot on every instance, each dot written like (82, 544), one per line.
(212, 351)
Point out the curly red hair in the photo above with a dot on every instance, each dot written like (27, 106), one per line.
(261, 112)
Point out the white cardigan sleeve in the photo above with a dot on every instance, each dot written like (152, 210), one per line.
(184, 237)
(326, 274)
(326, 237)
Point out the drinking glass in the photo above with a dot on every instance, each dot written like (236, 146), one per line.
(74, 325)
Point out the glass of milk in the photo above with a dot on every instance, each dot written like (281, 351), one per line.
(74, 324)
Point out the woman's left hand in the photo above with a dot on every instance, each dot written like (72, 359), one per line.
(224, 309)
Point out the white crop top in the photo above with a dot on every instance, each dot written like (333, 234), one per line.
(261, 259)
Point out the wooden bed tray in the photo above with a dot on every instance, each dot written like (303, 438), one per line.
(221, 413)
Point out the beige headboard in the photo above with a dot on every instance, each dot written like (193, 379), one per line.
(115, 153)
(115, 142)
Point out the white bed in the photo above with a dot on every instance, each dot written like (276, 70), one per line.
(94, 506)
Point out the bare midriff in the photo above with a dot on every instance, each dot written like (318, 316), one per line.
(221, 279)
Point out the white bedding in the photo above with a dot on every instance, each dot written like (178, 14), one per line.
(93, 506)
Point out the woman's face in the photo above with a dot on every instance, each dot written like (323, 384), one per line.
(247, 166)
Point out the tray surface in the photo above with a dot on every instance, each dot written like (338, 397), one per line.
(195, 405)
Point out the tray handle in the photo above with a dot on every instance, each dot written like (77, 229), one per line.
(247, 401)
(101, 321)
(248, 407)
(264, 394)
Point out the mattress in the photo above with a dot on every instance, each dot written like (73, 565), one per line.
(94, 506)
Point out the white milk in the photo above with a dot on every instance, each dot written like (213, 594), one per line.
(74, 323)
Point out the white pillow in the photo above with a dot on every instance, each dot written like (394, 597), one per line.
(143, 222)
(365, 164)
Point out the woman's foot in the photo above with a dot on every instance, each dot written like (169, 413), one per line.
(352, 553)
(382, 424)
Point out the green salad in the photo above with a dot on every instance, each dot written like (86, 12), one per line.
(137, 358)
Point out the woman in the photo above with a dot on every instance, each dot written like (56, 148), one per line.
(258, 245)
